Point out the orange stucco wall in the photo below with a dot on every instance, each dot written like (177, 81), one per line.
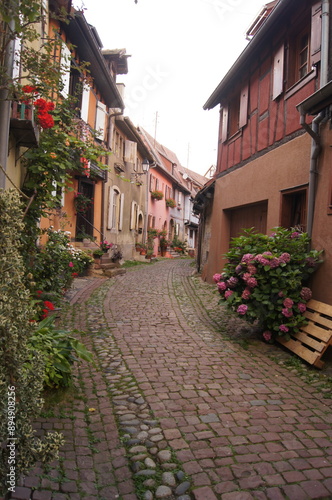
(322, 227)
(261, 179)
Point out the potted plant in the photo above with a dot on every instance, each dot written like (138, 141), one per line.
(170, 203)
(143, 250)
(163, 242)
(105, 246)
(98, 253)
(157, 195)
(116, 255)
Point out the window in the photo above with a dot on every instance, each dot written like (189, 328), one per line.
(235, 114)
(299, 49)
(294, 209)
(303, 59)
(305, 45)
(115, 209)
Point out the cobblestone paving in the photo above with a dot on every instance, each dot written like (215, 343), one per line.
(174, 409)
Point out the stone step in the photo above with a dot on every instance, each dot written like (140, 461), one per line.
(109, 265)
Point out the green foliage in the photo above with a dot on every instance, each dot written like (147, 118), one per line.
(20, 377)
(57, 263)
(59, 350)
(265, 279)
(179, 245)
(170, 202)
(157, 195)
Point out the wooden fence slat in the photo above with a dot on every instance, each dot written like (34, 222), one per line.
(313, 339)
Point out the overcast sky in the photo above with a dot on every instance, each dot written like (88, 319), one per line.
(180, 50)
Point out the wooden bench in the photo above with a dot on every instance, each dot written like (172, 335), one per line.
(313, 339)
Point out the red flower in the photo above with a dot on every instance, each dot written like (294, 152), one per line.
(49, 305)
(45, 120)
(41, 104)
(29, 89)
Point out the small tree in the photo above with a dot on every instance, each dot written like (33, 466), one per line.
(21, 374)
(266, 279)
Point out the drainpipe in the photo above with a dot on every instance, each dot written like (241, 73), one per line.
(5, 105)
(314, 129)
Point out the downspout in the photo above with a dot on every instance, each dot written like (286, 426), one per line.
(314, 130)
(5, 104)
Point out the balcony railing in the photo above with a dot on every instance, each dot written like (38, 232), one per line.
(23, 126)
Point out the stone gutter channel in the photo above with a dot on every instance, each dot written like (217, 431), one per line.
(157, 473)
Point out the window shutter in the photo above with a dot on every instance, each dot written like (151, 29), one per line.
(85, 104)
(130, 152)
(100, 120)
(65, 69)
(121, 211)
(243, 117)
(224, 124)
(133, 215)
(110, 208)
(316, 33)
(278, 73)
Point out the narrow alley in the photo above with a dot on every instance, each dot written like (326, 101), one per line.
(173, 408)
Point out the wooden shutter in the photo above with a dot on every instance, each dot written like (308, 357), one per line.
(85, 104)
(278, 73)
(243, 116)
(316, 33)
(100, 120)
(110, 208)
(130, 152)
(121, 211)
(224, 123)
(65, 68)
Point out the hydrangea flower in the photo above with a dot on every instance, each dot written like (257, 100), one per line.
(267, 336)
(283, 328)
(232, 282)
(242, 309)
(288, 303)
(251, 282)
(252, 269)
(306, 293)
(246, 294)
(228, 293)
(221, 286)
(288, 313)
(285, 257)
(301, 307)
(216, 277)
(247, 257)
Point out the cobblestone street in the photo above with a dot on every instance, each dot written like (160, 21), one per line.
(174, 408)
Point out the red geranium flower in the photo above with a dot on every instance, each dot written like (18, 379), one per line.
(45, 120)
(29, 89)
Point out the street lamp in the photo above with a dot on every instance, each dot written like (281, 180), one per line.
(145, 165)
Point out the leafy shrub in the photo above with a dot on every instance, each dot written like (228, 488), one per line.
(179, 245)
(266, 279)
(58, 262)
(59, 351)
(21, 381)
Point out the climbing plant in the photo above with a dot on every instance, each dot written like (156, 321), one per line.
(21, 373)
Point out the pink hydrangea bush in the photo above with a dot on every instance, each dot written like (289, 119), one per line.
(266, 278)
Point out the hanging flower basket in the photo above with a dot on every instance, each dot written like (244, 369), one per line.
(157, 195)
(170, 203)
(82, 203)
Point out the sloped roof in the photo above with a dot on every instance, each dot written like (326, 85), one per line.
(271, 25)
(84, 38)
(158, 151)
(161, 153)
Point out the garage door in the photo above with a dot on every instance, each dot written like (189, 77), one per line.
(248, 216)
